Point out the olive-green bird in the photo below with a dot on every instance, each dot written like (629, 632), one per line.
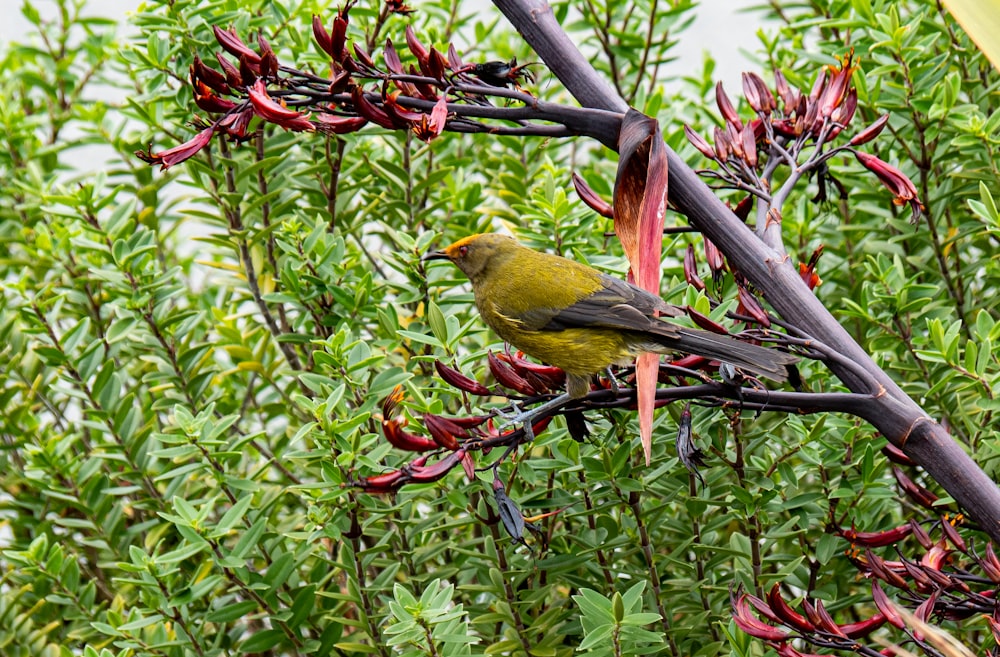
(574, 317)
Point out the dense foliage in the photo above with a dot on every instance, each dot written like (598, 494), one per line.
(193, 363)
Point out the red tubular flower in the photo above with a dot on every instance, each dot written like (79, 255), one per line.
(716, 263)
(896, 455)
(762, 608)
(428, 473)
(924, 538)
(391, 57)
(913, 490)
(757, 94)
(789, 94)
(268, 109)
(404, 440)
(749, 305)
(836, 90)
(444, 432)
(749, 145)
(208, 101)
(707, 323)
(541, 377)
(902, 188)
(338, 38)
(363, 56)
(808, 271)
(333, 124)
(746, 621)
(429, 127)
(990, 563)
(235, 125)
(417, 48)
(877, 539)
(722, 147)
(951, 533)
(387, 482)
(178, 154)
(786, 614)
(212, 79)
(371, 111)
(268, 60)
(742, 209)
(863, 628)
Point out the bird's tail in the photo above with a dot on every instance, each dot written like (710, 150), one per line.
(770, 363)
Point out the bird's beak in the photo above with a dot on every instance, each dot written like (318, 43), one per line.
(436, 255)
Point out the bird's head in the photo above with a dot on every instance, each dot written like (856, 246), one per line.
(476, 254)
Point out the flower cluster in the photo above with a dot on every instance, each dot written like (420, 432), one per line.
(416, 97)
(947, 580)
(796, 132)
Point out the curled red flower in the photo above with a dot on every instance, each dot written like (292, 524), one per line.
(429, 127)
(334, 124)
(902, 188)
(212, 79)
(178, 154)
(208, 101)
(274, 112)
(808, 270)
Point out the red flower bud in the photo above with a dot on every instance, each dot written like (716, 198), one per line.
(455, 378)
(691, 270)
(591, 198)
(885, 607)
(232, 44)
(508, 378)
(871, 132)
(726, 108)
(699, 142)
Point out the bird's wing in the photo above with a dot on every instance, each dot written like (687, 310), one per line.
(616, 305)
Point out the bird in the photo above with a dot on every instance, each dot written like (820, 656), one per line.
(570, 315)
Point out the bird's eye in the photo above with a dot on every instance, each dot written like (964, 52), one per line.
(463, 251)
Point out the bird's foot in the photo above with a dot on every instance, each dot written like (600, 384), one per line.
(526, 418)
(613, 380)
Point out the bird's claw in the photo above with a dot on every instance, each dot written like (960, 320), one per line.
(518, 417)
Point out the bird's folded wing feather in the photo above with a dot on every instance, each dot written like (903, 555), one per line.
(617, 305)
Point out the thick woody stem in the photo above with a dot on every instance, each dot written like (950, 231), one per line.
(894, 414)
